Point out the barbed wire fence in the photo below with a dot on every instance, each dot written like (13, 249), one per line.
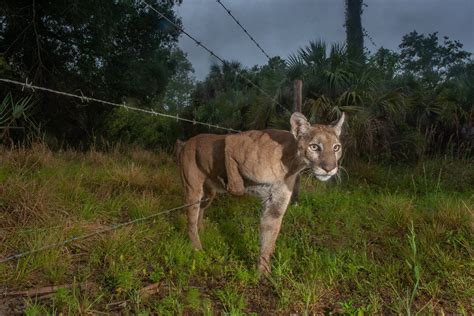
(86, 99)
(273, 99)
(370, 38)
(96, 233)
(244, 30)
(83, 98)
(280, 83)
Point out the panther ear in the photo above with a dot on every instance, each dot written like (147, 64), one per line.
(299, 124)
(338, 126)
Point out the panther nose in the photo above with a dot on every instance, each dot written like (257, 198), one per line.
(327, 166)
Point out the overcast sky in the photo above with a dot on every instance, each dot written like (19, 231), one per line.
(282, 26)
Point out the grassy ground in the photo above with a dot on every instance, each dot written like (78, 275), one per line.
(383, 240)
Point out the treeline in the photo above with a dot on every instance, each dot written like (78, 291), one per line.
(115, 50)
(402, 105)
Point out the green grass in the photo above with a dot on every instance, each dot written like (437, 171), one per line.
(384, 239)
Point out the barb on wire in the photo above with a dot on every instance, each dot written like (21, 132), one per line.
(199, 43)
(366, 34)
(97, 232)
(244, 29)
(122, 105)
(28, 84)
(84, 99)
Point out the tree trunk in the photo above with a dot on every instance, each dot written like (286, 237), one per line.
(298, 95)
(354, 31)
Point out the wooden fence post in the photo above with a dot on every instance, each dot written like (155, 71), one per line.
(298, 97)
(298, 91)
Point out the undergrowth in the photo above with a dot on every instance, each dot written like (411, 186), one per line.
(383, 239)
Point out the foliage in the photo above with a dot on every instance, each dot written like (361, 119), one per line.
(17, 115)
(151, 132)
(154, 132)
(428, 60)
(228, 99)
(106, 49)
(180, 85)
(387, 240)
(354, 30)
(402, 106)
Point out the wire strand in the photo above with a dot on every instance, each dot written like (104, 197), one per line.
(83, 98)
(98, 232)
(199, 43)
(367, 35)
(244, 29)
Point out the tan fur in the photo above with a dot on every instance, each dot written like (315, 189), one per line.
(264, 163)
(178, 147)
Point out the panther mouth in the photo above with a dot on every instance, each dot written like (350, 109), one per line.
(323, 177)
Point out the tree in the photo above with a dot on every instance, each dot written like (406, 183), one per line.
(386, 61)
(219, 98)
(425, 58)
(107, 49)
(155, 132)
(181, 84)
(226, 98)
(354, 30)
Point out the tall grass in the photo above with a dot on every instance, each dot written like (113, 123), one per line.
(387, 239)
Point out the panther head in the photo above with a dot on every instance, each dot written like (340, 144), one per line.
(319, 146)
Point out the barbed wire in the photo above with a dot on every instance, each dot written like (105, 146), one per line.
(366, 34)
(199, 43)
(243, 29)
(124, 105)
(95, 233)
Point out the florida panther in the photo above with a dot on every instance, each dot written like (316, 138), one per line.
(265, 163)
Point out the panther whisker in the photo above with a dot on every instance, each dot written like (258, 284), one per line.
(345, 171)
(307, 178)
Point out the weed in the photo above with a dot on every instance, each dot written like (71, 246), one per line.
(348, 308)
(415, 269)
(34, 308)
(232, 301)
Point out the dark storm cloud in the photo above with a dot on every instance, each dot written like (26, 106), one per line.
(282, 26)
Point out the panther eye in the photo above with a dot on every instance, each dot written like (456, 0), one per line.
(336, 148)
(315, 147)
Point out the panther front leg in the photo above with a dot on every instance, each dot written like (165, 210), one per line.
(270, 223)
(235, 183)
(295, 197)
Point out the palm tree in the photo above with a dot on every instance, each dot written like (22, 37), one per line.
(334, 84)
(18, 115)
